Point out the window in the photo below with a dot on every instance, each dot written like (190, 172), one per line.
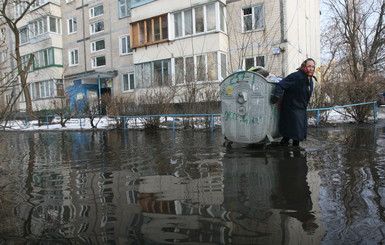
(59, 87)
(44, 25)
(96, 11)
(25, 60)
(69, 1)
(198, 20)
(179, 70)
(162, 72)
(54, 25)
(44, 58)
(254, 61)
(157, 73)
(73, 57)
(45, 89)
(125, 45)
(128, 81)
(223, 65)
(201, 67)
(3, 56)
(124, 8)
(253, 18)
(39, 3)
(98, 61)
(2, 33)
(97, 45)
(35, 94)
(97, 27)
(204, 67)
(24, 35)
(38, 27)
(150, 31)
(72, 25)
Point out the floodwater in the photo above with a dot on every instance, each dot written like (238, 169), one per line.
(138, 187)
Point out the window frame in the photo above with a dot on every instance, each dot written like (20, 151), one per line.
(130, 81)
(94, 61)
(93, 45)
(149, 31)
(71, 56)
(253, 13)
(127, 8)
(92, 11)
(255, 61)
(93, 27)
(72, 23)
(187, 29)
(127, 45)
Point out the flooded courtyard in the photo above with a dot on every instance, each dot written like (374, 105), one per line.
(139, 187)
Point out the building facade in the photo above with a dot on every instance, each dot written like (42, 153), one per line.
(137, 49)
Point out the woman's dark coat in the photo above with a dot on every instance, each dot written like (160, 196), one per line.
(296, 90)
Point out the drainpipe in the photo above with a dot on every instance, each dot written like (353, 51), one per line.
(84, 37)
(283, 39)
(100, 96)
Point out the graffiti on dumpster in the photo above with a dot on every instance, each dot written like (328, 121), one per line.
(236, 117)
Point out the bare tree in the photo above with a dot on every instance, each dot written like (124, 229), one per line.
(12, 21)
(358, 30)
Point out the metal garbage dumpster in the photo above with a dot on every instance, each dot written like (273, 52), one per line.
(247, 114)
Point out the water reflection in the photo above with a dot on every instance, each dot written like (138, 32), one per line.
(107, 187)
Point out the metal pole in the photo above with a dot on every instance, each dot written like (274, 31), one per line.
(100, 96)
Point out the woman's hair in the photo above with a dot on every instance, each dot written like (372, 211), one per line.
(305, 61)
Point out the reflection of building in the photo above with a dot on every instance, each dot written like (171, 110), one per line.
(238, 199)
(125, 48)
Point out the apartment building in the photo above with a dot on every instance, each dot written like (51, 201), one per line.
(125, 48)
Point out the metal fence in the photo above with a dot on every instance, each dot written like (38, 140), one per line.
(47, 119)
(318, 111)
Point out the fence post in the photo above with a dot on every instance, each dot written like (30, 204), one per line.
(80, 121)
(173, 124)
(46, 121)
(375, 111)
(317, 118)
(212, 123)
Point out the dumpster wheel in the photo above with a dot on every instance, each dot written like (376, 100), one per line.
(227, 143)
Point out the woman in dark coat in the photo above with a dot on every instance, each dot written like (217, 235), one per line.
(295, 91)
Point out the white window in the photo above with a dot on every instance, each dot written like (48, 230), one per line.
(44, 58)
(39, 3)
(98, 61)
(205, 67)
(44, 25)
(54, 25)
(25, 60)
(69, 1)
(254, 61)
(97, 45)
(97, 27)
(96, 11)
(2, 33)
(24, 38)
(124, 8)
(198, 20)
(156, 73)
(253, 18)
(72, 25)
(125, 45)
(128, 82)
(3, 56)
(73, 57)
(47, 89)
(38, 27)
